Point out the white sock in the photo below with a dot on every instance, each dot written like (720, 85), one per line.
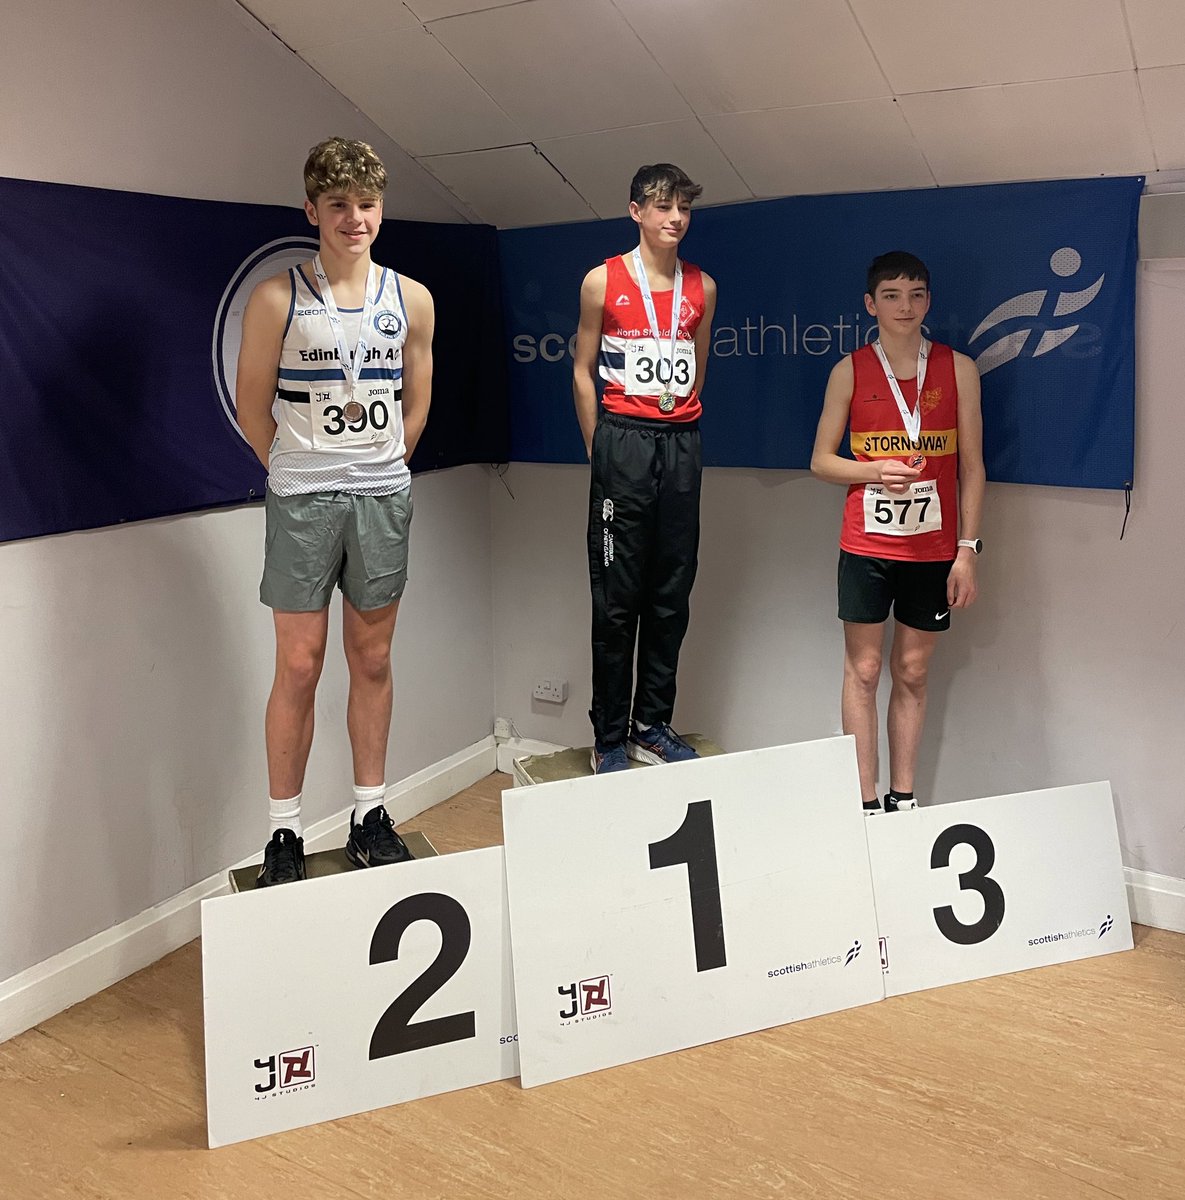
(284, 814)
(366, 798)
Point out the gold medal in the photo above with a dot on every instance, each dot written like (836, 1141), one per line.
(353, 411)
(666, 402)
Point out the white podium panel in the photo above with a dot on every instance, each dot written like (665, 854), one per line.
(659, 909)
(337, 995)
(985, 887)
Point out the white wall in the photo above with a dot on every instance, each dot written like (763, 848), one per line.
(135, 662)
(1071, 667)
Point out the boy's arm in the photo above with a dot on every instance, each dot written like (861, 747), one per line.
(259, 362)
(825, 460)
(417, 362)
(588, 348)
(703, 335)
(961, 584)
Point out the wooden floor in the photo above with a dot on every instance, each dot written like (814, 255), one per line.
(1064, 1083)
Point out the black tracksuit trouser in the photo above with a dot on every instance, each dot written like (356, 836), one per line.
(643, 538)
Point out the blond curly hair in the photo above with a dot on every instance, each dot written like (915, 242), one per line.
(342, 165)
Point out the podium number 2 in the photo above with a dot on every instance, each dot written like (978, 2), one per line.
(976, 879)
(694, 843)
(395, 1033)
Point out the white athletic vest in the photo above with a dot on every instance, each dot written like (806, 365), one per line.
(328, 440)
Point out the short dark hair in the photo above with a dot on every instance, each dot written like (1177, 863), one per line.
(896, 264)
(661, 181)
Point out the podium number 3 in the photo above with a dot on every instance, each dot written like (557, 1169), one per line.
(395, 1033)
(976, 879)
(694, 843)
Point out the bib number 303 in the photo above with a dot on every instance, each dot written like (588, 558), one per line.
(648, 373)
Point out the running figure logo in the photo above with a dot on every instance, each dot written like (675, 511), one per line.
(1038, 335)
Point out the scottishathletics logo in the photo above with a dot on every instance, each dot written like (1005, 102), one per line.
(1024, 325)
(273, 258)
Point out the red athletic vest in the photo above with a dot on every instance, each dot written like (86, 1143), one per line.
(625, 320)
(876, 432)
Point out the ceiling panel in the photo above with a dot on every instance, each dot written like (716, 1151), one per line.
(562, 66)
(433, 10)
(1065, 128)
(857, 147)
(752, 54)
(304, 23)
(512, 186)
(930, 45)
(410, 85)
(1158, 31)
(1164, 102)
(600, 165)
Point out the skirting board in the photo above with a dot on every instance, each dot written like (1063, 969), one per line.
(83, 970)
(1156, 900)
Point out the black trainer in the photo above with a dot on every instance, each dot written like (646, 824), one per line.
(375, 843)
(900, 803)
(283, 859)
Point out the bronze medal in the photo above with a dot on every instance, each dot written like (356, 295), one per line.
(353, 411)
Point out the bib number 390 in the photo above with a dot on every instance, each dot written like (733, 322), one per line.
(976, 879)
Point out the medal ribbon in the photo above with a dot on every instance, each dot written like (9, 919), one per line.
(911, 420)
(351, 367)
(648, 302)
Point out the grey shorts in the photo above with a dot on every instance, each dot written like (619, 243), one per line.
(323, 539)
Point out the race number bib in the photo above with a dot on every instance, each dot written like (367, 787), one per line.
(648, 373)
(904, 514)
(360, 419)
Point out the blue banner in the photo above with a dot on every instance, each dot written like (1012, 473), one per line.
(119, 326)
(1035, 281)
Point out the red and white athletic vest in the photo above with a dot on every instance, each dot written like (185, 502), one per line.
(921, 525)
(625, 331)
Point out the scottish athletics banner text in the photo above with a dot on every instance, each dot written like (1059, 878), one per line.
(1035, 281)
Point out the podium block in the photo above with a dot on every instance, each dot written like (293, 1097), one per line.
(985, 887)
(354, 991)
(662, 908)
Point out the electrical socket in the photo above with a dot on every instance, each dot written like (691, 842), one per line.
(503, 729)
(553, 691)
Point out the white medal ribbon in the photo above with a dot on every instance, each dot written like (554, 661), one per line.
(648, 302)
(911, 420)
(351, 367)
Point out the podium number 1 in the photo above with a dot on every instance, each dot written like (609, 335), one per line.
(694, 844)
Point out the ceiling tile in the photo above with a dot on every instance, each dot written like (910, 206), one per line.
(752, 54)
(411, 86)
(433, 10)
(857, 147)
(1158, 32)
(600, 165)
(931, 45)
(508, 187)
(562, 66)
(1058, 129)
(303, 23)
(1164, 104)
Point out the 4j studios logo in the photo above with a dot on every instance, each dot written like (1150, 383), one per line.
(587, 1000)
(288, 1071)
(1033, 323)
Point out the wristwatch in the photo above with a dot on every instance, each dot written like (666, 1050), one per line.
(975, 544)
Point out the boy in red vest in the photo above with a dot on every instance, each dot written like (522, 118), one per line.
(910, 535)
